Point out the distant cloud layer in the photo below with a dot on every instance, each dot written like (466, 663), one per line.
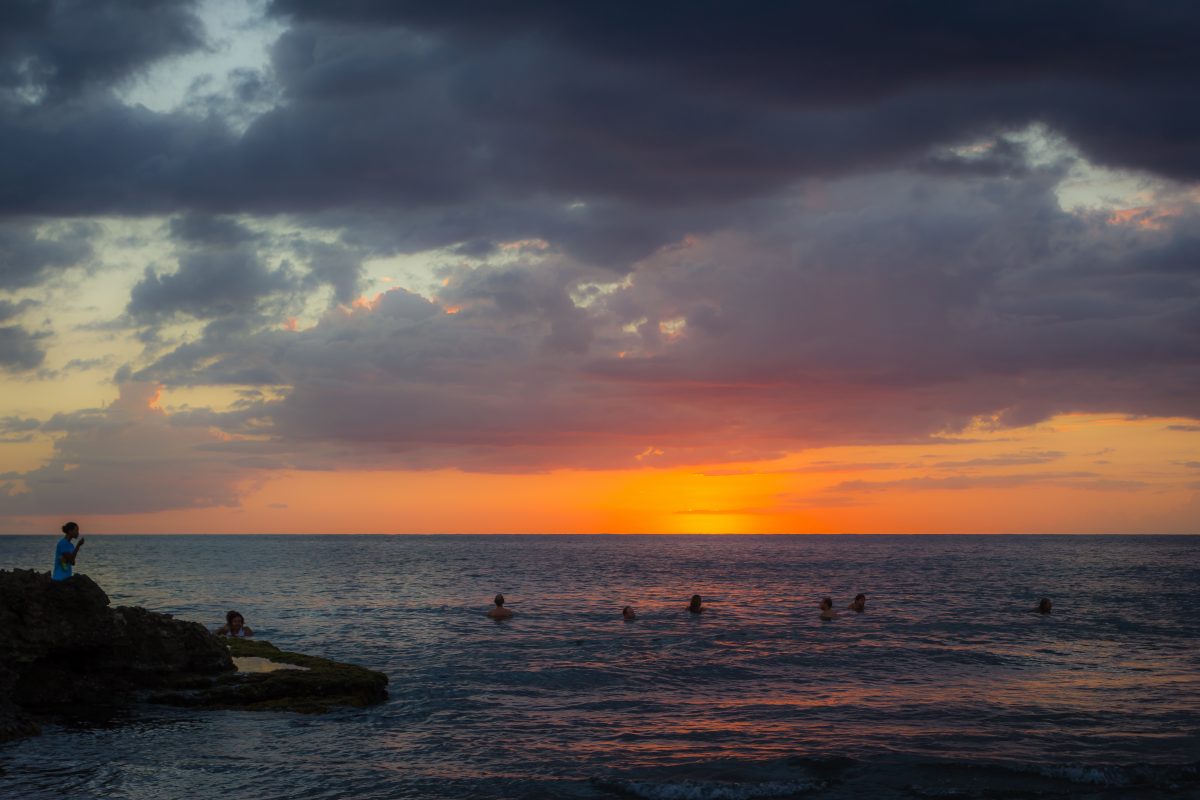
(666, 232)
(893, 309)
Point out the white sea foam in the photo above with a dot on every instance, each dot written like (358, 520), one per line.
(1117, 776)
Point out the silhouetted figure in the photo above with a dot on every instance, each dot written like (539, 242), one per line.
(499, 611)
(827, 611)
(235, 626)
(859, 604)
(66, 553)
(696, 606)
(628, 613)
(1043, 607)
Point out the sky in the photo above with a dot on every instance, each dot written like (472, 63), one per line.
(620, 267)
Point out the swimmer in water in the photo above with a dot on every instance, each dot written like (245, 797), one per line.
(499, 612)
(1043, 606)
(696, 605)
(627, 613)
(827, 611)
(235, 626)
(860, 603)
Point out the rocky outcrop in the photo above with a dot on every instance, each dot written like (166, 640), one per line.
(283, 681)
(62, 647)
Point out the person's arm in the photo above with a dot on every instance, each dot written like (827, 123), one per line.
(248, 631)
(71, 556)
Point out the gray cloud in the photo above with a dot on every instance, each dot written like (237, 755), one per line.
(26, 254)
(335, 265)
(209, 283)
(10, 309)
(59, 48)
(810, 256)
(1006, 460)
(20, 349)
(207, 229)
(1075, 480)
(470, 130)
(858, 54)
(818, 467)
(12, 424)
(126, 458)
(15, 429)
(893, 309)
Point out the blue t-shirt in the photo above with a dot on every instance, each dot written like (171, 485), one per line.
(62, 569)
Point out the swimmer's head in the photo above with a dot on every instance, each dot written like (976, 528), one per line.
(231, 616)
(627, 612)
(695, 601)
(860, 598)
(499, 600)
(1044, 605)
(826, 603)
(70, 530)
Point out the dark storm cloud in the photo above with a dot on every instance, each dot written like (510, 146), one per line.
(62, 47)
(1076, 62)
(780, 46)
(97, 156)
(204, 229)
(641, 113)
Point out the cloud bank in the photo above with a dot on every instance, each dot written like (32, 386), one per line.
(663, 234)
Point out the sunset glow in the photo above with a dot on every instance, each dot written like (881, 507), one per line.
(288, 285)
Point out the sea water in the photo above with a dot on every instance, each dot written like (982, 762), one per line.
(946, 686)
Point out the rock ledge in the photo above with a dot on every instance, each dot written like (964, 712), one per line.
(317, 686)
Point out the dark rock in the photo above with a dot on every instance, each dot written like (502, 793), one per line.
(63, 648)
(317, 686)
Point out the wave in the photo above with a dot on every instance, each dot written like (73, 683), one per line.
(1155, 775)
(711, 790)
(905, 776)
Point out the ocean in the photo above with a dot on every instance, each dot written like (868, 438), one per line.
(947, 686)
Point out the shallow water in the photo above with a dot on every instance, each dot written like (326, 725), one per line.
(945, 685)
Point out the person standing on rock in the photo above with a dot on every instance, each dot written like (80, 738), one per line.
(66, 552)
